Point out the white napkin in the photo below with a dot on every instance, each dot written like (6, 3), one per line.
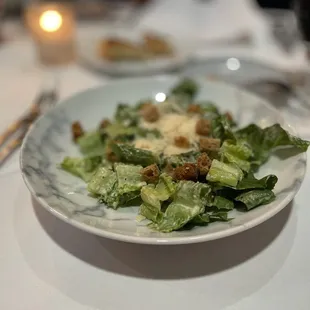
(196, 20)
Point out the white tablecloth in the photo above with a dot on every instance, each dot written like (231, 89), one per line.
(46, 264)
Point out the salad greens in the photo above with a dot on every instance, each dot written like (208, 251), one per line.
(196, 187)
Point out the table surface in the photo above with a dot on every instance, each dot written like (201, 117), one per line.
(47, 264)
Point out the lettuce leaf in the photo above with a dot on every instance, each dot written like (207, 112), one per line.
(83, 168)
(129, 178)
(151, 206)
(221, 129)
(237, 153)
(221, 216)
(209, 108)
(255, 198)
(207, 218)
(224, 174)
(187, 87)
(118, 129)
(199, 220)
(189, 201)
(103, 182)
(250, 182)
(152, 197)
(131, 155)
(91, 144)
(127, 114)
(263, 141)
(222, 203)
(112, 187)
(181, 159)
(166, 187)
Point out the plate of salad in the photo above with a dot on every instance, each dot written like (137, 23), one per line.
(163, 160)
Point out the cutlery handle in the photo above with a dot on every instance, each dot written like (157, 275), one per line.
(12, 146)
(27, 119)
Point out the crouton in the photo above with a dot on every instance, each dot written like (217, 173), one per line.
(104, 124)
(187, 172)
(203, 164)
(194, 108)
(150, 113)
(150, 174)
(229, 116)
(182, 142)
(77, 131)
(110, 155)
(209, 144)
(203, 127)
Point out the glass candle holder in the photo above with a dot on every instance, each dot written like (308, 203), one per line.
(52, 26)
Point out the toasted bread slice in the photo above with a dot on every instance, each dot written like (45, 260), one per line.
(121, 50)
(157, 45)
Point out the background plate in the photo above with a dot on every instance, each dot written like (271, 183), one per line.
(88, 56)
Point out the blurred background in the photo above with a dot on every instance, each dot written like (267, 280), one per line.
(261, 45)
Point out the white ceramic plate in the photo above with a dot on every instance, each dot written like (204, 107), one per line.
(88, 56)
(65, 196)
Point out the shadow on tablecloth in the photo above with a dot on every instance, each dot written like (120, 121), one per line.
(169, 262)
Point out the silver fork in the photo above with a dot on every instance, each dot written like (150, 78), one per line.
(12, 138)
(288, 88)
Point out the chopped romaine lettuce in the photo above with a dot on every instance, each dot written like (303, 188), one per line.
(224, 174)
(207, 218)
(152, 198)
(103, 182)
(181, 159)
(118, 129)
(221, 129)
(112, 188)
(121, 133)
(91, 144)
(151, 206)
(200, 220)
(208, 108)
(237, 153)
(219, 216)
(127, 115)
(188, 202)
(129, 178)
(222, 203)
(263, 141)
(256, 198)
(81, 167)
(131, 155)
(186, 87)
(250, 182)
(166, 187)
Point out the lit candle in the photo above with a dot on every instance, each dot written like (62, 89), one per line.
(50, 21)
(52, 26)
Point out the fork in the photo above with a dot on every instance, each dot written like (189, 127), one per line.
(18, 129)
(287, 88)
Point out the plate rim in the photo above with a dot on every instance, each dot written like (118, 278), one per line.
(229, 231)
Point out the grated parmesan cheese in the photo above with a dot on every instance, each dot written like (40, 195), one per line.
(170, 126)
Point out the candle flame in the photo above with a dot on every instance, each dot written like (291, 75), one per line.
(50, 21)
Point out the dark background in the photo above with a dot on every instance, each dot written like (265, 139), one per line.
(278, 4)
